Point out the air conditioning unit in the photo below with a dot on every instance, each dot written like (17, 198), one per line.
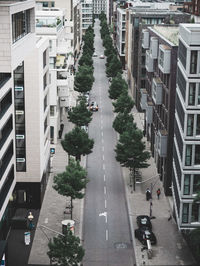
(164, 59)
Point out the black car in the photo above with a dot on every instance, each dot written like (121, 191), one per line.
(143, 234)
(144, 220)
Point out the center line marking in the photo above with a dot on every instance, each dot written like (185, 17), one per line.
(106, 234)
(105, 204)
(103, 157)
(103, 166)
(102, 133)
(104, 177)
(104, 190)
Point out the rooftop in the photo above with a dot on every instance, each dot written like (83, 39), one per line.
(169, 32)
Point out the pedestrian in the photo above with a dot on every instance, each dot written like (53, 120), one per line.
(148, 194)
(158, 193)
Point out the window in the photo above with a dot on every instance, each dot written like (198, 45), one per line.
(45, 81)
(182, 53)
(190, 125)
(195, 213)
(188, 155)
(20, 25)
(186, 187)
(198, 125)
(185, 212)
(197, 154)
(196, 184)
(193, 62)
(191, 97)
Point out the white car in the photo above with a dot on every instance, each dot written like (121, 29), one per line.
(101, 56)
(95, 55)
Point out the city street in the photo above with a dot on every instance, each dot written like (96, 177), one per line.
(106, 229)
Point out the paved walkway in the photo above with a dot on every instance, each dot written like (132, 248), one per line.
(171, 249)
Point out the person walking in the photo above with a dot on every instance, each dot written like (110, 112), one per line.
(158, 193)
(148, 194)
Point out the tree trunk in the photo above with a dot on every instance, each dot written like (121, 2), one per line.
(71, 209)
(78, 157)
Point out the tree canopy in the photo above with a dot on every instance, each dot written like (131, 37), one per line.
(114, 67)
(121, 122)
(80, 115)
(84, 79)
(123, 104)
(65, 250)
(77, 143)
(118, 85)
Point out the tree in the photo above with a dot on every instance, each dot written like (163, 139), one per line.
(121, 121)
(130, 150)
(65, 250)
(123, 104)
(86, 59)
(77, 143)
(84, 79)
(71, 182)
(114, 67)
(118, 85)
(194, 241)
(80, 115)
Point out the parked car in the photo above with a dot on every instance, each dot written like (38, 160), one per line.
(94, 106)
(95, 54)
(101, 56)
(144, 221)
(143, 234)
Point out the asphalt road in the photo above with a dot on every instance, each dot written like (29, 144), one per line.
(106, 231)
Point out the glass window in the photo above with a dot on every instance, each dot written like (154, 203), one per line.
(198, 96)
(198, 125)
(196, 184)
(188, 155)
(191, 97)
(197, 154)
(190, 125)
(44, 58)
(195, 213)
(20, 25)
(185, 212)
(193, 62)
(186, 188)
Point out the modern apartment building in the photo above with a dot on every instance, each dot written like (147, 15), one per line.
(87, 14)
(186, 155)
(51, 24)
(101, 6)
(141, 18)
(121, 34)
(158, 97)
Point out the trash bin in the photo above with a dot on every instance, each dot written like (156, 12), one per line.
(70, 224)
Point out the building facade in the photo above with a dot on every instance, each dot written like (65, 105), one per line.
(87, 14)
(158, 97)
(186, 155)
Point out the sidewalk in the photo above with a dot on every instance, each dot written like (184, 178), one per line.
(53, 207)
(171, 249)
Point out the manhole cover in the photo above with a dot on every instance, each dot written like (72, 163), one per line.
(121, 245)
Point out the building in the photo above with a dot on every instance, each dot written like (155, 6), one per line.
(87, 14)
(193, 7)
(186, 154)
(51, 24)
(16, 43)
(101, 6)
(139, 19)
(121, 34)
(158, 97)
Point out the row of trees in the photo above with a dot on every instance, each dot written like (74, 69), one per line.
(130, 149)
(65, 250)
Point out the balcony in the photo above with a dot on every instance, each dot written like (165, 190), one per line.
(145, 39)
(64, 102)
(164, 60)
(149, 112)
(143, 100)
(63, 92)
(157, 90)
(48, 25)
(149, 62)
(162, 143)
(154, 47)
